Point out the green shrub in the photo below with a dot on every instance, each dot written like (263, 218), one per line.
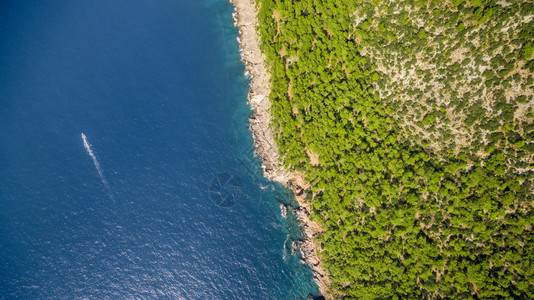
(527, 51)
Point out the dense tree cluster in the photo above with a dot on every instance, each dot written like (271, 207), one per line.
(457, 79)
(401, 219)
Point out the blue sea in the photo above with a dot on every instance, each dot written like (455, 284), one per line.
(165, 199)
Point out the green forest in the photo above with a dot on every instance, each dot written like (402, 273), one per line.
(413, 123)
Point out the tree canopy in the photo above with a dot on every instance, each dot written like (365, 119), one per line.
(419, 117)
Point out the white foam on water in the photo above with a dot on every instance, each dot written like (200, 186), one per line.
(284, 250)
(97, 164)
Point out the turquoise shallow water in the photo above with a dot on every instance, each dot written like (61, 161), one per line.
(158, 89)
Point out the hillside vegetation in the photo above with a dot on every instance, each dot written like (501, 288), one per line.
(413, 123)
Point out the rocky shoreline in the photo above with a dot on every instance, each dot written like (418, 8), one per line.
(258, 97)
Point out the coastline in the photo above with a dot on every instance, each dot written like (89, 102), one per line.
(266, 148)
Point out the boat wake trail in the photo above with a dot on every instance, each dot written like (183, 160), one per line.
(97, 165)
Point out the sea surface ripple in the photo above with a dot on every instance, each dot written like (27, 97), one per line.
(158, 90)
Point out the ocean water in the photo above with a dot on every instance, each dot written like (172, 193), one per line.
(166, 199)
